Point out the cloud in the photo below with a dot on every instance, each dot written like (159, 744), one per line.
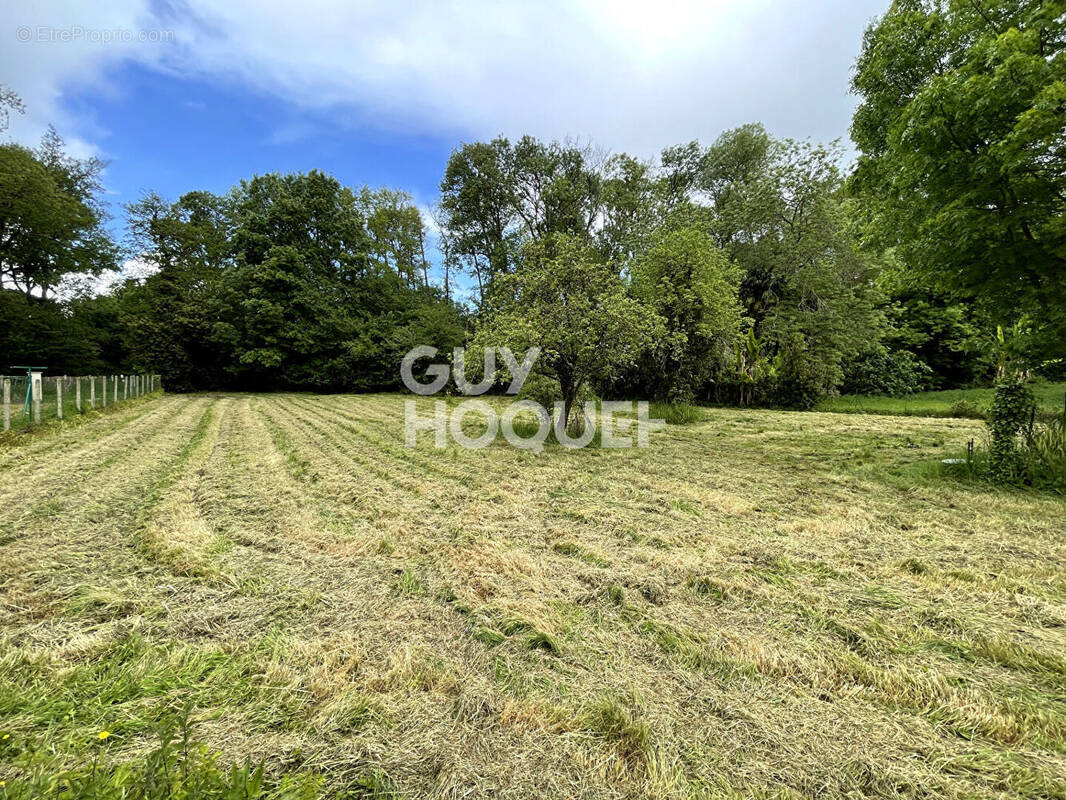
(51, 49)
(621, 73)
(625, 74)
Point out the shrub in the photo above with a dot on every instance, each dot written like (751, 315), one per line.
(802, 379)
(1044, 457)
(1012, 408)
(894, 373)
(966, 409)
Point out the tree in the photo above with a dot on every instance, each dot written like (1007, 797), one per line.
(171, 319)
(961, 129)
(691, 284)
(778, 210)
(497, 196)
(9, 101)
(286, 281)
(51, 221)
(571, 304)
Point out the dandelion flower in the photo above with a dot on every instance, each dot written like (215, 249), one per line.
(103, 735)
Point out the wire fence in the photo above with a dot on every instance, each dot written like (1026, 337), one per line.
(33, 399)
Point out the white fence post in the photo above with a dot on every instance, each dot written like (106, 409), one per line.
(36, 396)
(92, 391)
(59, 397)
(115, 396)
(77, 394)
(7, 404)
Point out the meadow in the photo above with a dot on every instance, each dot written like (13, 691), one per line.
(760, 603)
(970, 403)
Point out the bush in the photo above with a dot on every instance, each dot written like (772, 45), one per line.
(892, 373)
(802, 380)
(966, 409)
(1012, 409)
(1044, 457)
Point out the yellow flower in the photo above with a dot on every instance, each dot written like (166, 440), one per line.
(103, 734)
(6, 736)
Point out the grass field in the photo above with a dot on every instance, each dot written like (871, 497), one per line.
(758, 604)
(1049, 397)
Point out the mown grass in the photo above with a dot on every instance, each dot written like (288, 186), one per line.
(966, 403)
(760, 603)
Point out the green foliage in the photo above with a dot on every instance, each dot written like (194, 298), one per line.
(497, 196)
(966, 409)
(893, 373)
(777, 209)
(565, 300)
(1012, 409)
(288, 281)
(76, 337)
(1044, 456)
(692, 286)
(962, 168)
(51, 221)
(955, 339)
(179, 768)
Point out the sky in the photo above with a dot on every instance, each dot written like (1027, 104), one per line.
(178, 95)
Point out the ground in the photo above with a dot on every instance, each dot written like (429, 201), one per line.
(762, 603)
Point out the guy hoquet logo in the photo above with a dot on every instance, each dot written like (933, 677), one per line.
(614, 430)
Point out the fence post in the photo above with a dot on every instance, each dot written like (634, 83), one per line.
(92, 391)
(115, 396)
(59, 397)
(36, 396)
(7, 404)
(77, 394)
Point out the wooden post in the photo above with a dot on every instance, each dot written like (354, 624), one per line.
(7, 404)
(59, 397)
(115, 395)
(77, 394)
(92, 391)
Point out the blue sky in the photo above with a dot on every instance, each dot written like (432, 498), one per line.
(192, 94)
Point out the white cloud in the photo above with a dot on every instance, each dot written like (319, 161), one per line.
(629, 75)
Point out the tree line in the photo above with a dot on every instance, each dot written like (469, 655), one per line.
(754, 270)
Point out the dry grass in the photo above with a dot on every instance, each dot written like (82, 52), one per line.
(759, 604)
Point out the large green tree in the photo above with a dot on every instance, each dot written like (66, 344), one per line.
(962, 133)
(778, 210)
(51, 218)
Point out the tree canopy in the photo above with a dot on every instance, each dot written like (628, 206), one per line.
(962, 168)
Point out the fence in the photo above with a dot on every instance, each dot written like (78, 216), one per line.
(32, 399)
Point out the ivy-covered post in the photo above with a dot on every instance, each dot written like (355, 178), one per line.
(1012, 406)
